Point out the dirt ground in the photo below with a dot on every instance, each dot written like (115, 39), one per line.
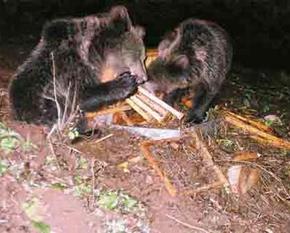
(49, 186)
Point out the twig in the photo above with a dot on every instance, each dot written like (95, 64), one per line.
(203, 188)
(51, 132)
(53, 153)
(54, 90)
(66, 104)
(104, 138)
(187, 224)
(93, 180)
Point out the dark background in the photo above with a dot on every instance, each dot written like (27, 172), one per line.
(260, 29)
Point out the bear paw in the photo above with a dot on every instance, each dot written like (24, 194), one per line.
(128, 84)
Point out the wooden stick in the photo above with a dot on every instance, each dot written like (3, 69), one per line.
(203, 188)
(254, 123)
(258, 134)
(173, 111)
(104, 138)
(278, 143)
(145, 115)
(195, 228)
(202, 148)
(108, 111)
(153, 105)
(147, 154)
(145, 107)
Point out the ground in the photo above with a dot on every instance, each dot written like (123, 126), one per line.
(51, 186)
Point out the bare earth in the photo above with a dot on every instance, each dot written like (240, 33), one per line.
(57, 187)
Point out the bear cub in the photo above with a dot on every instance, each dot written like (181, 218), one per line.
(88, 62)
(194, 58)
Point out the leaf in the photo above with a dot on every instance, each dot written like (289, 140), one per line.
(109, 200)
(59, 186)
(82, 189)
(41, 227)
(73, 134)
(9, 144)
(128, 202)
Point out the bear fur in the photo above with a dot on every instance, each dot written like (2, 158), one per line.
(193, 58)
(68, 65)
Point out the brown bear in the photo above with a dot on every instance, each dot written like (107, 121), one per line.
(87, 62)
(195, 58)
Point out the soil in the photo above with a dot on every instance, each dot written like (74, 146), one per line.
(67, 179)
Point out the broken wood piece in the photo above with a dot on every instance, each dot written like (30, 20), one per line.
(149, 110)
(203, 188)
(173, 191)
(202, 148)
(254, 123)
(152, 133)
(242, 178)
(258, 134)
(122, 108)
(145, 115)
(153, 105)
(245, 156)
(278, 143)
(179, 115)
(145, 149)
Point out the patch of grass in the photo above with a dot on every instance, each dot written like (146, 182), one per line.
(73, 134)
(227, 144)
(41, 227)
(82, 190)
(31, 209)
(108, 200)
(82, 187)
(59, 186)
(10, 140)
(118, 201)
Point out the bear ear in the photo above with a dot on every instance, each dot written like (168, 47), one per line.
(163, 49)
(140, 31)
(120, 18)
(181, 61)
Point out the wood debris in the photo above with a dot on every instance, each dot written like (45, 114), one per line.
(151, 107)
(203, 152)
(257, 130)
(241, 177)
